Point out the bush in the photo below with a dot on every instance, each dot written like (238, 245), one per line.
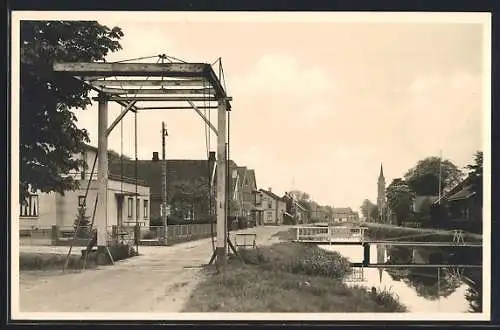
(387, 299)
(298, 258)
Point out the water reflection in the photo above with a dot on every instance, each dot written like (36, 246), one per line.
(423, 289)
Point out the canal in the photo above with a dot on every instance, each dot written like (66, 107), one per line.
(456, 291)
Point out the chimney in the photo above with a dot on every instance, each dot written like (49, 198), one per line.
(155, 156)
(270, 189)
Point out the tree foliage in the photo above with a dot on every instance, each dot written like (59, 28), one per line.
(476, 174)
(49, 135)
(368, 208)
(399, 199)
(423, 179)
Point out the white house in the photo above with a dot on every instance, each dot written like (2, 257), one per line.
(125, 207)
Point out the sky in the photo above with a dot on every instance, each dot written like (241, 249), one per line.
(318, 105)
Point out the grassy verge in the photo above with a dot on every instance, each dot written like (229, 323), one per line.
(50, 261)
(377, 231)
(287, 277)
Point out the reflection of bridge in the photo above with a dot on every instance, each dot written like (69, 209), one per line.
(343, 235)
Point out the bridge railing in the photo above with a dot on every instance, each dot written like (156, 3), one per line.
(329, 234)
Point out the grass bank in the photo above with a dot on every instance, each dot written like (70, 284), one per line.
(51, 261)
(286, 277)
(380, 231)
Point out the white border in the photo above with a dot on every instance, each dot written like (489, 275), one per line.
(359, 17)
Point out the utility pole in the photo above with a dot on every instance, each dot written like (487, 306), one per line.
(164, 214)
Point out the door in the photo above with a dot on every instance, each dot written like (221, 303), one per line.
(119, 210)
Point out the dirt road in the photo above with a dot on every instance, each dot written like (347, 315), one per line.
(160, 280)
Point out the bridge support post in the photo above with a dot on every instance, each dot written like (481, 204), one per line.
(366, 254)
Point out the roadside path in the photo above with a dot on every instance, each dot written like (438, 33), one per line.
(160, 280)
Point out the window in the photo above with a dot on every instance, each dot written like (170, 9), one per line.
(146, 209)
(269, 216)
(270, 204)
(130, 207)
(138, 207)
(81, 201)
(29, 208)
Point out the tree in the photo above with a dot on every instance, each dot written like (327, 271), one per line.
(423, 179)
(367, 208)
(82, 223)
(374, 213)
(476, 174)
(49, 135)
(114, 156)
(399, 199)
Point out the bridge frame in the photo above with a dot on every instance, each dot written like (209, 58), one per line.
(172, 82)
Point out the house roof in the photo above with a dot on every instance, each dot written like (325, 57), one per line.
(465, 185)
(342, 210)
(271, 194)
(465, 193)
(178, 170)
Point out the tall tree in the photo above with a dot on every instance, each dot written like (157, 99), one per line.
(49, 135)
(367, 208)
(476, 174)
(423, 179)
(399, 199)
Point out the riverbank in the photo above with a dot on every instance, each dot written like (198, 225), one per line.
(383, 231)
(286, 277)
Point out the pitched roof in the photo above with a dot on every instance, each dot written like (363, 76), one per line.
(178, 170)
(251, 174)
(465, 193)
(271, 194)
(464, 188)
(342, 210)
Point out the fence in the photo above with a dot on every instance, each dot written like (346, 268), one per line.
(35, 236)
(147, 235)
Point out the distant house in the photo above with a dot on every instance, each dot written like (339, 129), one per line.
(125, 207)
(463, 207)
(270, 208)
(344, 214)
(245, 185)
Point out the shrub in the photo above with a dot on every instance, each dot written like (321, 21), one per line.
(387, 299)
(298, 259)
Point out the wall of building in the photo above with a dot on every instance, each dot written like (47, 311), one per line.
(62, 210)
(45, 215)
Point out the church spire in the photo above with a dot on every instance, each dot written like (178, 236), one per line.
(381, 171)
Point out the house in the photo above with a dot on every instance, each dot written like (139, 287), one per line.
(125, 207)
(269, 207)
(462, 206)
(320, 213)
(247, 187)
(344, 214)
(187, 186)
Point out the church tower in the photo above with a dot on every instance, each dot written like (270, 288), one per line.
(381, 191)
